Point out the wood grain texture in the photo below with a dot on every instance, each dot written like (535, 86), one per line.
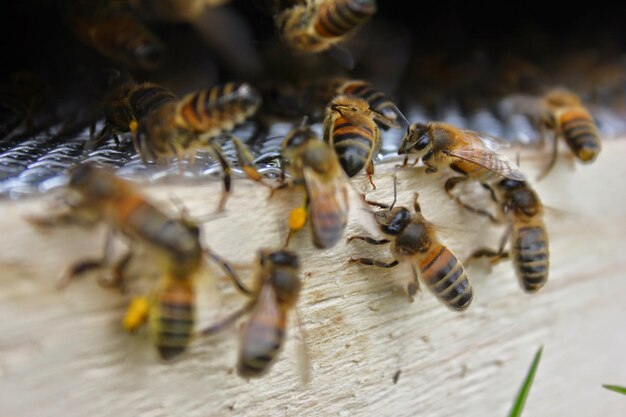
(64, 352)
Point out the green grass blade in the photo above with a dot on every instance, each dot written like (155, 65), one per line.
(518, 406)
(615, 388)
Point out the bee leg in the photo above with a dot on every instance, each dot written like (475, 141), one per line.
(451, 183)
(246, 162)
(226, 171)
(369, 240)
(555, 150)
(118, 280)
(373, 262)
(230, 272)
(79, 268)
(496, 256)
(370, 172)
(414, 286)
(229, 320)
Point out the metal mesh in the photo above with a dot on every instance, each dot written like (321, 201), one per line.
(37, 165)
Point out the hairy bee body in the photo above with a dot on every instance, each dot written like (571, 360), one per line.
(313, 162)
(350, 129)
(564, 112)
(469, 153)
(413, 240)
(522, 209)
(277, 287)
(179, 127)
(172, 316)
(113, 30)
(316, 27)
(439, 268)
(376, 100)
(98, 196)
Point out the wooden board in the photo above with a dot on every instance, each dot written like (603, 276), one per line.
(64, 352)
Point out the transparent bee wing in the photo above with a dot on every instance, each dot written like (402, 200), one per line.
(490, 142)
(494, 162)
(328, 207)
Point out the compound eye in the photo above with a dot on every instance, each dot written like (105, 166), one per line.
(421, 143)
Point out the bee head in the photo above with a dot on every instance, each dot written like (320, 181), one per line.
(393, 221)
(90, 183)
(282, 269)
(416, 141)
(519, 198)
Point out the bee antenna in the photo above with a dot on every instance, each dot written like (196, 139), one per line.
(395, 189)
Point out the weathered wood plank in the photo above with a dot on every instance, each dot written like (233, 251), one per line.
(64, 353)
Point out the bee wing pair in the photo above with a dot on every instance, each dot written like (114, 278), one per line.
(486, 156)
(328, 206)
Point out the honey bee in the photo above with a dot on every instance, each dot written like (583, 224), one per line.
(472, 154)
(112, 29)
(414, 241)
(276, 288)
(521, 208)
(313, 163)
(349, 127)
(95, 196)
(564, 113)
(174, 10)
(316, 26)
(164, 126)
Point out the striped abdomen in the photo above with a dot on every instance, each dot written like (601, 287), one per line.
(335, 18)
(353, 144)
(172, 317)
(219, 109)
(445, 277)
(177, 242)
(529, 249)
(144, 98)
(580, 133)
(377, 101)
(263, 335)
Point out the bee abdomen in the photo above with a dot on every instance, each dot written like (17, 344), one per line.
(174, 321)
(531, 257)
(581, 134)
(354, 146)
(146, 97)
(445, 277)
(221, 108)
(336, 18)
(263, 341)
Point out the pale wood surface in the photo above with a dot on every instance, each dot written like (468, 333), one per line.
(64, 352)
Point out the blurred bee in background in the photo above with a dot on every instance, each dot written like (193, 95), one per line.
(472, 154)
(274, 294)
(413, 240)
(95, 196)
(174, 10)
(164, 126)
(19, 100)
(349, 127)
(522, 210)
(316, 26)
(563, 112)
(115, 31)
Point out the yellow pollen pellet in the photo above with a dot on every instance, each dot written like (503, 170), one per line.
(136, 313)
(297, 218)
